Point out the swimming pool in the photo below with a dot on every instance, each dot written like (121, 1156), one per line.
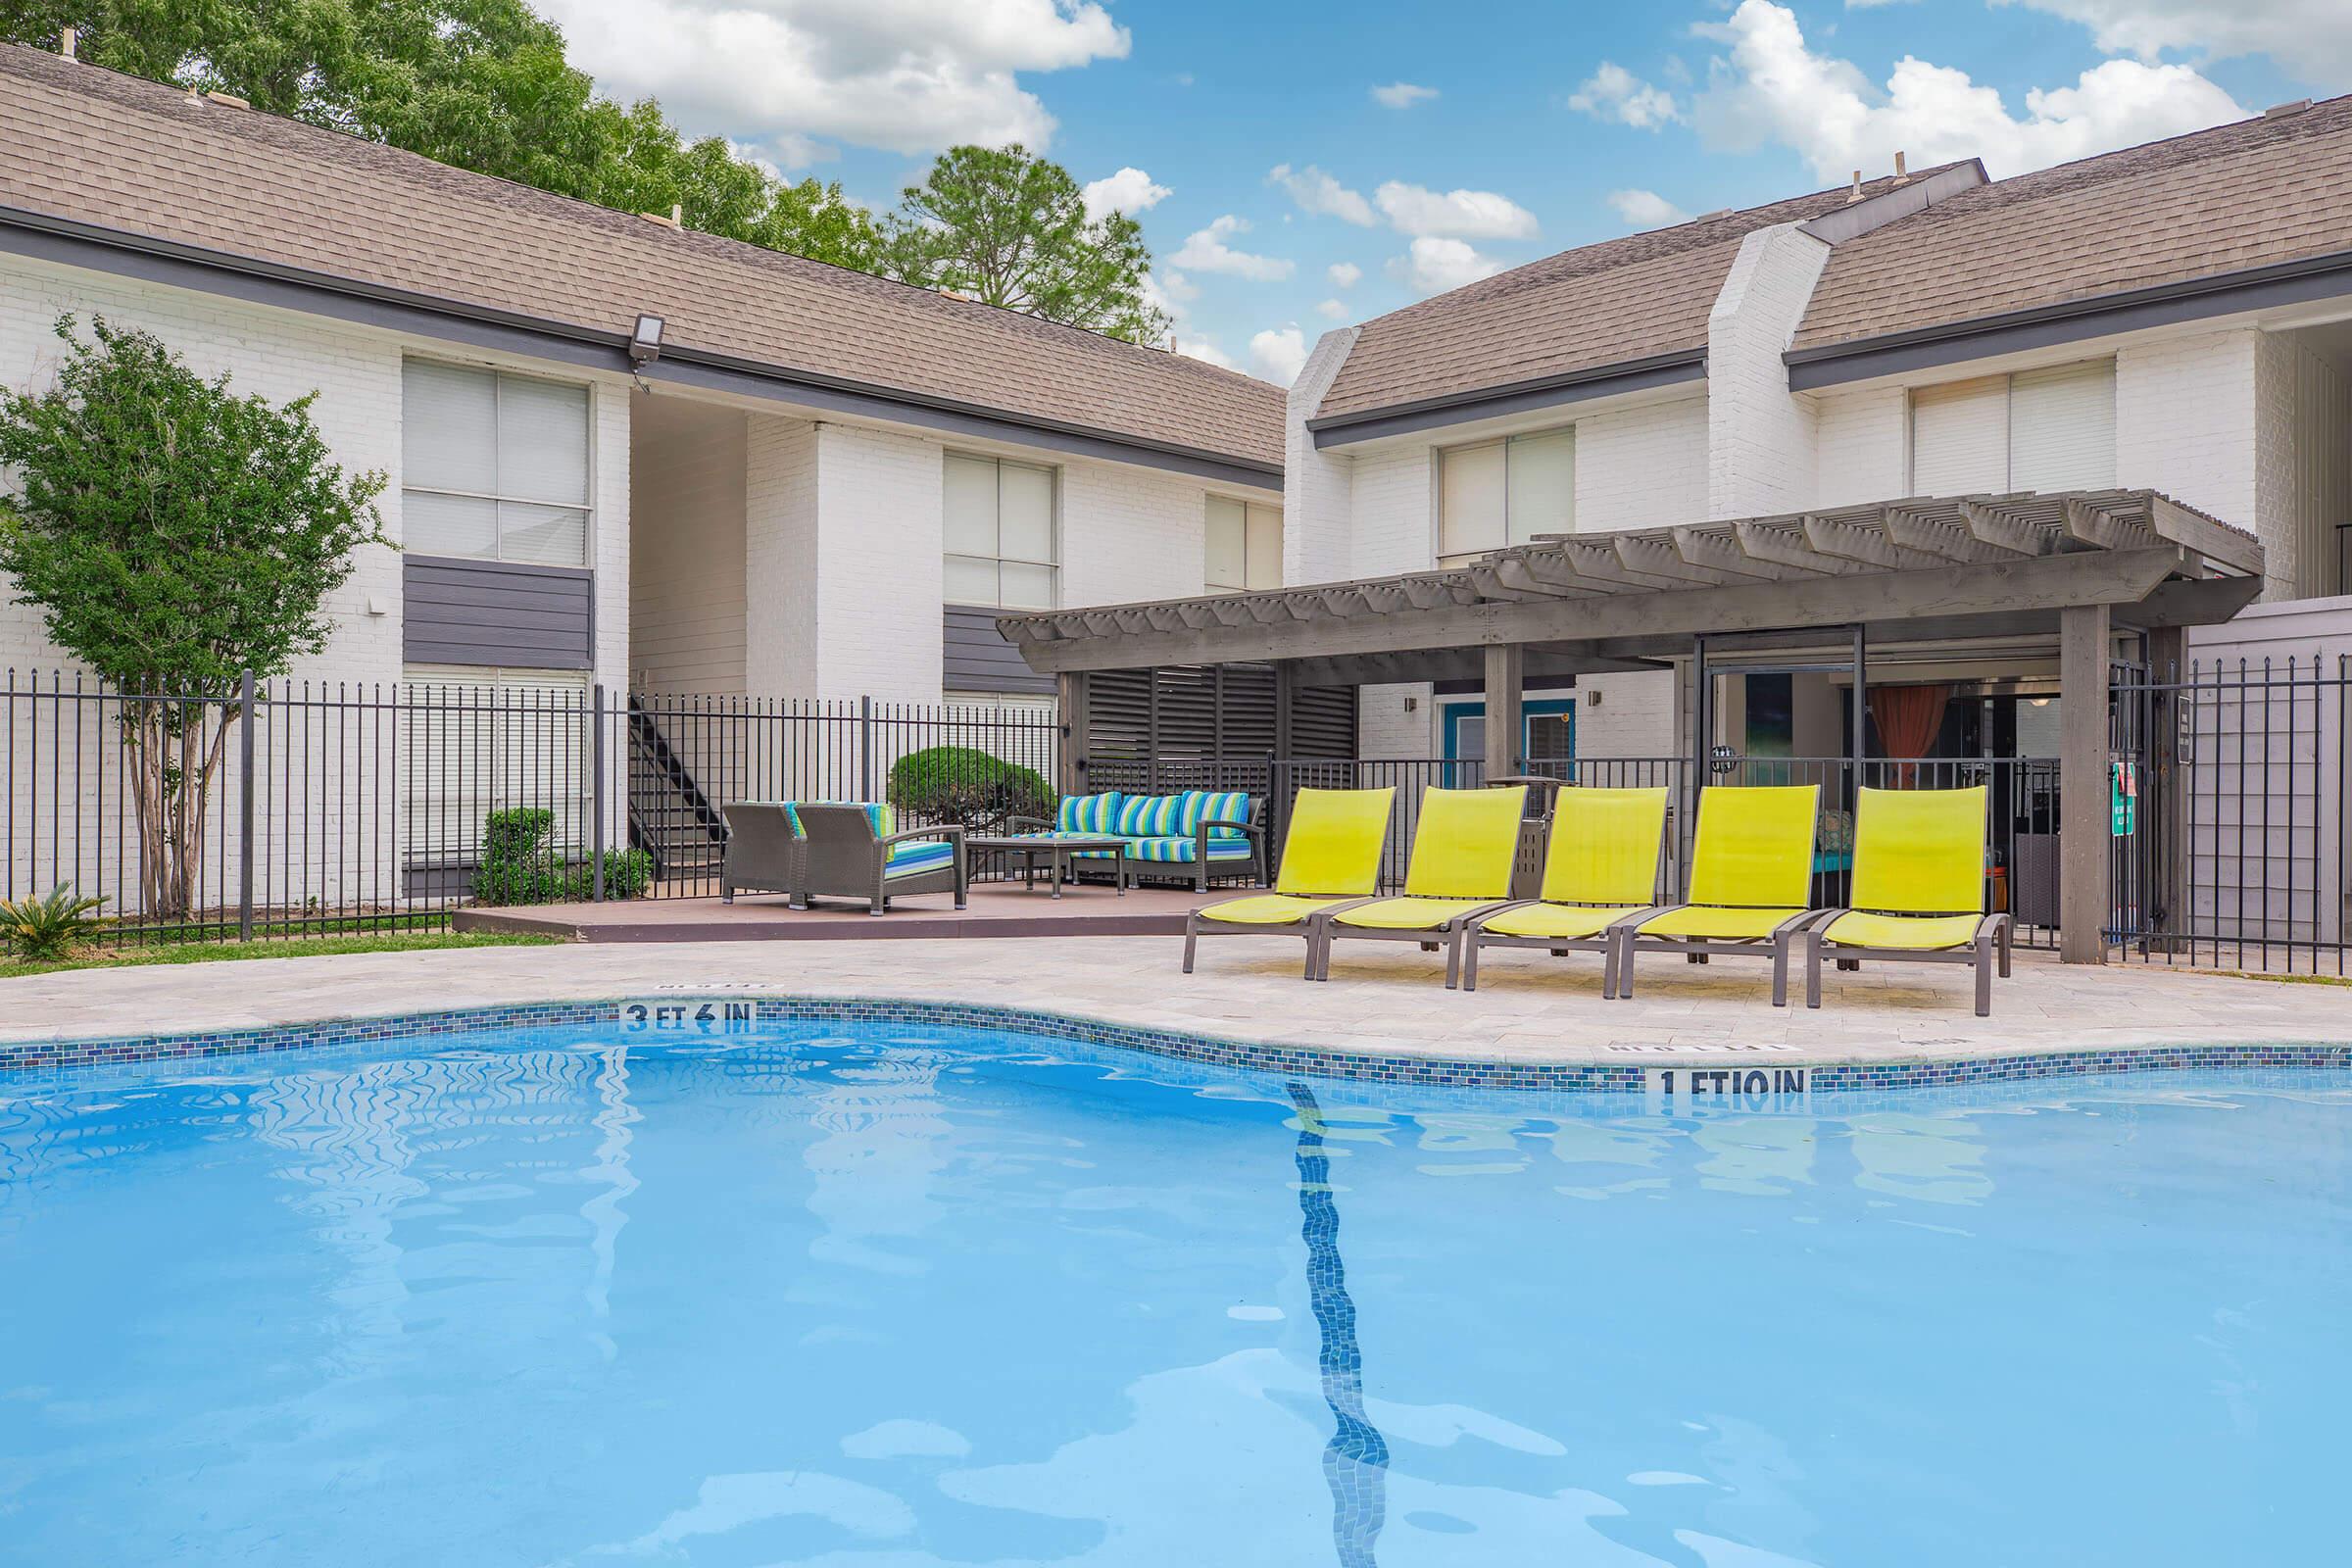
(887, 1296)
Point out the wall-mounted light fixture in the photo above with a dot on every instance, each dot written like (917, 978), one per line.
(644, 343)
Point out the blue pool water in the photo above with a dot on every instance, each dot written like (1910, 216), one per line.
(889, 1296)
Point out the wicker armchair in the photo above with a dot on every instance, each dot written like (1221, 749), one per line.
(844, 857)
(763, 851)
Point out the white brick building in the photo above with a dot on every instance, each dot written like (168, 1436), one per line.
(2175, 317)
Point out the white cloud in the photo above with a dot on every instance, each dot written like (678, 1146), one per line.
(1130, 191)
(1344, 274)
(1333, 310)
(1278, 354)
(1771, 88)
(1177, 285)
(1201, 348)
(907, 75)
(1465, 214)
(1434, 265)
(1615, 93)
(1644, 208)
(1317, 192)
(2309, 38)
(1205, 251)
(1401, 95)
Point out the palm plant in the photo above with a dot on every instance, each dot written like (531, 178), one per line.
(47, 929)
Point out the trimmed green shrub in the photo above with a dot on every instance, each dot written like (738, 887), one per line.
(521, 866)
(964, 784)
(47, 929)
(627, 874)
(518, 867)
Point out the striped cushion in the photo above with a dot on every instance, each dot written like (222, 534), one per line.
(1232, 807)
(919, 855)
(1090, 814)
(1168, 850)
(1146, 816)
(885, 819)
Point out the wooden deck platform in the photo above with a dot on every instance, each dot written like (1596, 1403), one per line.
(997, 909)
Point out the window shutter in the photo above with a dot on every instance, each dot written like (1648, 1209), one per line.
(1225, 566)
(1541, 484)
(1470, 500)
(1262, 565)
(1960, 438)
(2061, 427)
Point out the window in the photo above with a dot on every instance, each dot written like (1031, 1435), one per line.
(477, 740)
(1505, 492)
(2048, 429)
(1244, 546)
(1000, 534)
(493, 467)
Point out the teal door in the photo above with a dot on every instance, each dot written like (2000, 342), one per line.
(1547, 732)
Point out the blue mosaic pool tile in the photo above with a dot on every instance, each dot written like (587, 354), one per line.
(63, 1055)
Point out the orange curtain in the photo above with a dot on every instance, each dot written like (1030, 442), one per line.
(1908, 719)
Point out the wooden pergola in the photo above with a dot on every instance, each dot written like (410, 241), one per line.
(2074, 566)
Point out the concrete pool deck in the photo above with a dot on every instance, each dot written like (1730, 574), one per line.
(1532, 1009)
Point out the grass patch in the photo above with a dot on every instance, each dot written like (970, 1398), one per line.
(2290, 979)
(292, 948)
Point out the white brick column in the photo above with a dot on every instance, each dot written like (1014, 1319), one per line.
(779, 548)
(1315, 488)
(1760, 436)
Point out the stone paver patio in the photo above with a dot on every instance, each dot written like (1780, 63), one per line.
(1530, 1007)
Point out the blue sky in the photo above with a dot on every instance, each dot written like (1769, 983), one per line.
(1261, 154)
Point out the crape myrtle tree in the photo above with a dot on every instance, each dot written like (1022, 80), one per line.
(174, 534)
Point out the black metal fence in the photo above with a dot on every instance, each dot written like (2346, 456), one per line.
(294, 808)
(291, 808)
(2234, 779)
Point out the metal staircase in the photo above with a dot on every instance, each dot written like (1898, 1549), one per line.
(670, 819)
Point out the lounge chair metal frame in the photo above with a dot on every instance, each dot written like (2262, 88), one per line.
(1430, 938)
(1994, 939)
(1447, 936)
(1779, 945)
(1604, 944)
(1306, 926)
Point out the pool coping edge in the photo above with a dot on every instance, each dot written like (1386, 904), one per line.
(708, 1009)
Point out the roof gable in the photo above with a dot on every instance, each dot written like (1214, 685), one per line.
(121, 153)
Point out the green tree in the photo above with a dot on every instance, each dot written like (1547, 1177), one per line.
(1009, 228)
(174, 534)
(479, 84)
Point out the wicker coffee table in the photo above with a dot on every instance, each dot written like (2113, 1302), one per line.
(1056, 848)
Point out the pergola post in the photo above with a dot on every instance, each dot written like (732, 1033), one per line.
(1069, 762)
(1506, 679)
(2084, 646)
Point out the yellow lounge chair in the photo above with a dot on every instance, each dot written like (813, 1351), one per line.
(1919, 890)
(1601, 872)
(1329, 857)
(1463, 847)
(1751, 883)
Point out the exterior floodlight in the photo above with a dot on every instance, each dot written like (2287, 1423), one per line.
(644, 343)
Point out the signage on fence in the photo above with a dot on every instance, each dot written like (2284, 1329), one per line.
(2122, 799)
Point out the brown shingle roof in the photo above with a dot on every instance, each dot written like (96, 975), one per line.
(92, 146)
(1598, 305)
(2239, 196)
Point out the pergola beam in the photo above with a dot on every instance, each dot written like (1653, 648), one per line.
(1955, 591)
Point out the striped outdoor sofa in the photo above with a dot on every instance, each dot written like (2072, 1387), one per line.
(1191, 836)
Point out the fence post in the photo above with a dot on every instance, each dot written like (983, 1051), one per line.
(865, 747)
(596, 794)
(245, 806)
